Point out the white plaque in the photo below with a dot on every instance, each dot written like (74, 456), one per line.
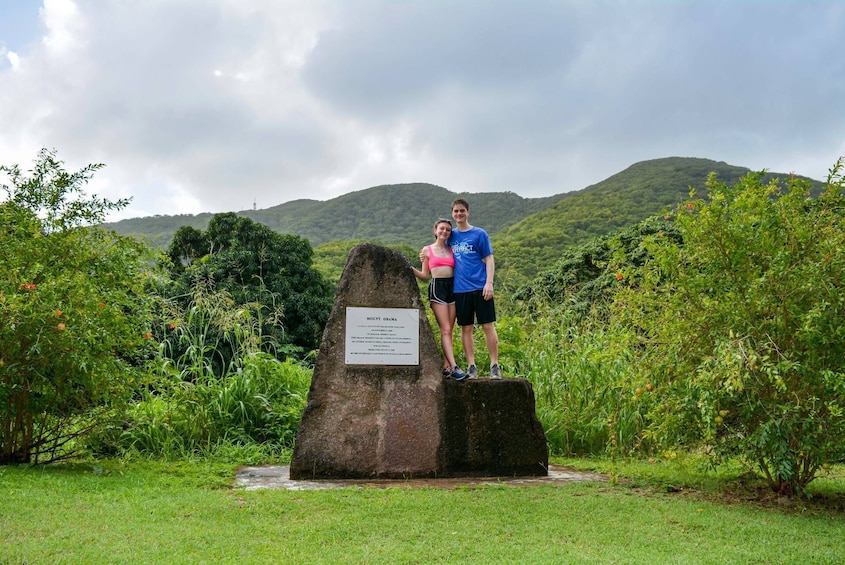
(382, 336)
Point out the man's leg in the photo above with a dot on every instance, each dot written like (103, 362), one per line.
(492, 339)
(469, 346)
(486, 315)
(465, 315)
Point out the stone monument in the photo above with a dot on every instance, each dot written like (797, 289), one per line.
(379, 407)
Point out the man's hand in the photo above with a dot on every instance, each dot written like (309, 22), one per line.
(490, 267)
(487, 293)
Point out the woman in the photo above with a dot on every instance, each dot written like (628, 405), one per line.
(437, 260)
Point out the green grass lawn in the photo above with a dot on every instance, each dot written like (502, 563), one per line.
(112, 512)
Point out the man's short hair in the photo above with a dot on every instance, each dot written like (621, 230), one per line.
(460, 201)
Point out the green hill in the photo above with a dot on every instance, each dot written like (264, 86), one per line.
(388, 214)
(642, 190)
(158, 231)
(529, 234)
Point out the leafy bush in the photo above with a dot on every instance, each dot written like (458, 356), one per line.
(742, 327)
(73, 313)
(585, 278)
(195, 405)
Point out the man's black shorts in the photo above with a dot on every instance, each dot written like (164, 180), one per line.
(440, 290)
(471, 306)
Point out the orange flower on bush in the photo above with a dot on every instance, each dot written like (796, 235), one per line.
(58, 313)
(148, 335)
(619, 276)
(61, 327)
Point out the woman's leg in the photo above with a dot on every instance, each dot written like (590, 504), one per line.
(445, 321)
(452, 319)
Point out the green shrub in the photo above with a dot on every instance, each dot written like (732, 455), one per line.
(741, 327)
(584, 279)
(193, 405)
(74, 317)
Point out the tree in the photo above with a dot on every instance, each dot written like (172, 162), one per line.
(72, 312)
(583, 281)
(741, 327)
(255, 265)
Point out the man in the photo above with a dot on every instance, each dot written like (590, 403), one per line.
(474, 270)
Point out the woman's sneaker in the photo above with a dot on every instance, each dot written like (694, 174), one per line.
(458, 374)
(472, 371)
(495, 372)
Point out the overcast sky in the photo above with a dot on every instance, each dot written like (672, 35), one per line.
(219, 105)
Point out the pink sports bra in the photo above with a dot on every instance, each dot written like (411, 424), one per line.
(435, 261)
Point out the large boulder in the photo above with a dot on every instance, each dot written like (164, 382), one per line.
(366, 421)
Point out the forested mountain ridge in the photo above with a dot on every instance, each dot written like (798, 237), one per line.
(529, 234)
(644, 189)
(388, 214)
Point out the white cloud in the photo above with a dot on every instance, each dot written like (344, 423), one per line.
(62, 20)
(12, 57)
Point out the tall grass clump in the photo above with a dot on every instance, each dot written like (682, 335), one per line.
(581, 380)
(192, 405)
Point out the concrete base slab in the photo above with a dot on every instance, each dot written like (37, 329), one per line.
(278, 477)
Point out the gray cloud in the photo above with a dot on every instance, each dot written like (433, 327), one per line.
(209, 106)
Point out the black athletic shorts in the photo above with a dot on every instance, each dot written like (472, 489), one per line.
(471, 306)
(440, 291)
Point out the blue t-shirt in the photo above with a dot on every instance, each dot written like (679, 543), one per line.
(469, 248)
